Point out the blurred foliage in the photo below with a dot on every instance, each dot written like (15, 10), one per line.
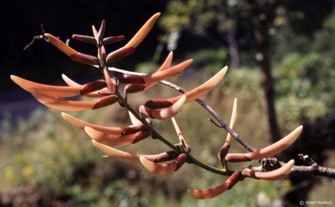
(305, 86)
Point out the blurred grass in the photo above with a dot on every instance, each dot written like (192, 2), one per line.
(59, 162)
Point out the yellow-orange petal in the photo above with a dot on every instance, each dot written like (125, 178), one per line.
(270, 175)
(165, 113)
(166, 64)
(81, 124)
(208, 193)
(159, 168)
(143, 31)
(69, 81)
(126, 156)
(202, 89)
(115, 153)
(133, 119)
(110, 139)
(61, 45)
(56, 91)
(232, 121)
(213, 192)
(164, 74)
(268, 151)
(62, 104)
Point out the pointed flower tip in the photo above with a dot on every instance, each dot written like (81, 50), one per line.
(213, 192)
(115, 153)
(143, 31)
(60, 45)
(270, 175)
(268, 151)
(205, 87)
(157, 14)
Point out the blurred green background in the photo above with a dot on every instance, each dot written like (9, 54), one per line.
(287, 46)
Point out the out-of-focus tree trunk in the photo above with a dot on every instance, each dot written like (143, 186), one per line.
(233, 49)
(264, 60)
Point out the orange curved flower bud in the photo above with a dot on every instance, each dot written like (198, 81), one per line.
(268, 151)
(105, 129)
(232, 120)
(119, 54)
(165, 168)
(198, 91)
(69, 81)
(270, 175)
(130, 157)
(225, 147)
(68, 105)
(63, 105)
(116, 140)
(163, 74)
(165, 113)
(81, 124)
(57, 91)
(213, 192)
(143, 32)
(205, 87)
(166, 64)
(60, 45)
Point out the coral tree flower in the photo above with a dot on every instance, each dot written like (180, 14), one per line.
(133, 157)
(51, 96)
(164, 168)
(213, 192)
(143, 82)
(268, 151)
(165, 113)
(73, 54)
(270, 175)
(190, 95)
(113, 136)
(116, 140)
(225, 147)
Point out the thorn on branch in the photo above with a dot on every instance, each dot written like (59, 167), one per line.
(213, 122)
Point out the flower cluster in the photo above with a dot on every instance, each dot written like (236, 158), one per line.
(116, 85)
